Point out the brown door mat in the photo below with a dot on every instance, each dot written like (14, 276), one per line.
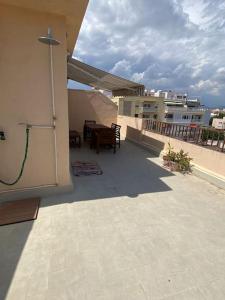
(19, 211)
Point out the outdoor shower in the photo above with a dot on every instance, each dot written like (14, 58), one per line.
(50, 41)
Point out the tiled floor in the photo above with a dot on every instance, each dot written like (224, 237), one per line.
(135, 232)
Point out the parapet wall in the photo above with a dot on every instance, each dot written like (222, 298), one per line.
(209, 161)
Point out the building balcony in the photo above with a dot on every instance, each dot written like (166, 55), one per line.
(170, 109)
(182, 121)
(143, 109)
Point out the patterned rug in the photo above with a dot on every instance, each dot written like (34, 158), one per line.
(85, 168)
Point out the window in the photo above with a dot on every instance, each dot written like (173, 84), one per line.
(185, 117)
(196, 117)
(147, 105)
(127, 108)
(169, 116)
(136, 115)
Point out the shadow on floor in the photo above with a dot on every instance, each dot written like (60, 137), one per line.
(130, 172)
(15, 237)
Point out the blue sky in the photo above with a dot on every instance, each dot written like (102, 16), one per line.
(164, 44)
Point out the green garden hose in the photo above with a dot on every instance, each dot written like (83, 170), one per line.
(23, 163)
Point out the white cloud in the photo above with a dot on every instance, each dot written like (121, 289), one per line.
(137, 77)
(213, 87)
(121, 67)
(176, 44)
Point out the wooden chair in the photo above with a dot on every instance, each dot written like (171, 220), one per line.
(89, 122)
(105, 137)
(74, 138)
(117, 132)
(86, 132)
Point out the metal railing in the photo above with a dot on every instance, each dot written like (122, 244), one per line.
(182, 121)
(148, 109)
(203, 136)
(184, 109)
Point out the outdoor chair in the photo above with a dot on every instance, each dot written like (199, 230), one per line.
(86, 132)
(104, 137)
(74, 138)
(117, 132)
(89, 122)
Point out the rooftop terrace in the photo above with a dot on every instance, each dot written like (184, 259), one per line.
(135, 232)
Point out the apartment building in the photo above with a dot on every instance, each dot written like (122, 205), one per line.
(217, 111)
(147, 107)
(171, 95)
(187, 112)
(218, 123)
(184, 111)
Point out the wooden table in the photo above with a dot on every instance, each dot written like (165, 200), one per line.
(99, 134)
(89, 129)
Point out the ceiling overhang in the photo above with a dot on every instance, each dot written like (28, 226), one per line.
(72, 10)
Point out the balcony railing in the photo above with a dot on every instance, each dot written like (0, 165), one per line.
(147, 109)
(184, 109)
(203, 136)
(182, 121)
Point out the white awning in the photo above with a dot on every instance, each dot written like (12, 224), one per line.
(86, 74)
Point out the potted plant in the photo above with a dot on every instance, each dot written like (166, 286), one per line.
(169, 159)
(183, 160)
(177, 161)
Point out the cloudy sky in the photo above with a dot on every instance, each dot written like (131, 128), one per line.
(164, 44)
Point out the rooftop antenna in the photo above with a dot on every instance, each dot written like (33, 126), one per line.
(51, 41)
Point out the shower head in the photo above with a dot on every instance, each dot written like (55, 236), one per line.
(49, 40)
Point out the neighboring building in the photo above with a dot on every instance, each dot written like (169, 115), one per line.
(140, 107)
(170, 111)
(218, 123)
(216, 111)
(177, 108)
(171, 95)
(166, 94)
(188, 112)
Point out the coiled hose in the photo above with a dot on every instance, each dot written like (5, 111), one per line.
(23, 162)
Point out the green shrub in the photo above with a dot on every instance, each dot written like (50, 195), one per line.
(209, 134)
(182, 159)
